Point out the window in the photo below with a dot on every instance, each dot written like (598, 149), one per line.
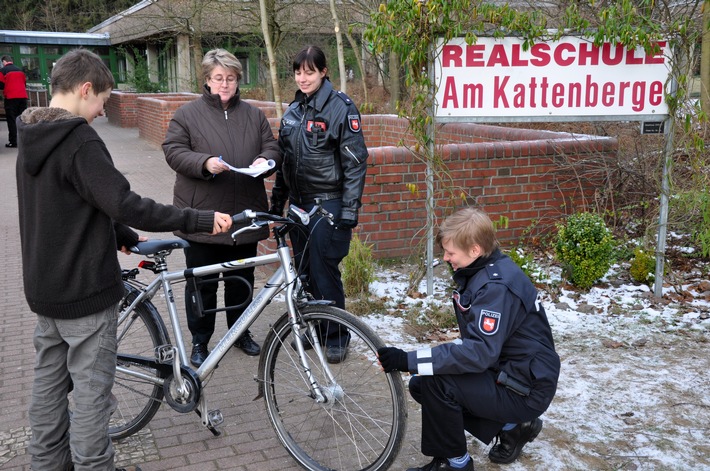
(25, 49)
(121, 65)
(246, 75)
(30, 66)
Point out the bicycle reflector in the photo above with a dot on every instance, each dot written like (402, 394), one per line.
(147, 265)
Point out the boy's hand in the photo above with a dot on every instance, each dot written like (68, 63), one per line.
(127, 250)
(222, 223)
(393, 359)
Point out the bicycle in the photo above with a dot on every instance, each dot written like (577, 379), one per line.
(348, 415)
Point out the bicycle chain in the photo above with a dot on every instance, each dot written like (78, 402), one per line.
(141, 393)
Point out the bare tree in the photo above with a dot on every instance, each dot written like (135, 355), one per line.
(339, 48)
(186, 22)
(273, 66)
(357, 16)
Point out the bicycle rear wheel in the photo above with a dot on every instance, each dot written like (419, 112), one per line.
(138, 399)
(362, 424)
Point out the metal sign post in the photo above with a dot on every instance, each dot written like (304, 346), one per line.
(663, 209)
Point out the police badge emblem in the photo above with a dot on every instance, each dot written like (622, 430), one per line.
(488, 322)
(354, 122)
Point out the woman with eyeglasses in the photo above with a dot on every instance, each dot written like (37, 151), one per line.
(204, 138)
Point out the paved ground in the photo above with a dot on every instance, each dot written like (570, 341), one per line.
(171, 441)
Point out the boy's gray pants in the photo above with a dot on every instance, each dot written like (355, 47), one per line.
(79, 352)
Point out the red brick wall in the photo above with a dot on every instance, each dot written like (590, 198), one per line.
(122, 107)
(154, 115)
(520, 180)
(530, 177)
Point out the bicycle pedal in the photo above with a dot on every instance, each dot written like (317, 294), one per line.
(164, 353)
(215, 417)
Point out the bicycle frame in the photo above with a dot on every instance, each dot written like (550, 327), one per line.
(328, 414)
(284, 276)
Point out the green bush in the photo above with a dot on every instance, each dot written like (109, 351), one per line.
(643, 266)
(526, 261)
(584, 246)
(358, 268)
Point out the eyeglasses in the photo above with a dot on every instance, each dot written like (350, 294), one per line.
(219, 80)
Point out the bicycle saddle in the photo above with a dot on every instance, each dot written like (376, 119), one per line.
(151, 247)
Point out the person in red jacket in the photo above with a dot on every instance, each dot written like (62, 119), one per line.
(13, 83)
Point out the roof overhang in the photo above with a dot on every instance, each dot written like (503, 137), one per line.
(51, 37)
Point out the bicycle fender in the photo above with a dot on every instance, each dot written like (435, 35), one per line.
(317, 302)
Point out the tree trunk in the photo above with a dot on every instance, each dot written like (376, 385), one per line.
(705, 61)
(339, 44)
(272, 59)
(196, 43)
(395, 82)
(360, 67)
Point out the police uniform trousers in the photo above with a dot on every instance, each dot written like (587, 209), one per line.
(471, 402)
(319, 248)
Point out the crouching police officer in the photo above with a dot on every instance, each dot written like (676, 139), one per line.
(502, 374)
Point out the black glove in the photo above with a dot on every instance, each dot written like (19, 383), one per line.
(125, 236)
(276, 210)
(393, 359)
(346, 223)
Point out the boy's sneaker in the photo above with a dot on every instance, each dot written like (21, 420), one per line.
(442, 464)
(129, 468)
(511, 442)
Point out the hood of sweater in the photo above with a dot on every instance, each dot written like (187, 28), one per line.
(39, 134)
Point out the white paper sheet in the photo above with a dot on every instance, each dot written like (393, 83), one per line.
(252, 171)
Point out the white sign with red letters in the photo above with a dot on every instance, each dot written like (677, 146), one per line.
(569, 79)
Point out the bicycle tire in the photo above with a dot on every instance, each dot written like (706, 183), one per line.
(137, 400)
(361, 429)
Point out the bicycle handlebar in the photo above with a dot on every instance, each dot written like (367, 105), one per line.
(295, 215)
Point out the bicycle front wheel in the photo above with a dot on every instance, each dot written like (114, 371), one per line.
(137, 397)
(361, 424)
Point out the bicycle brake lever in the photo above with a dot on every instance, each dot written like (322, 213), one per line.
(303, 216)
(254, 225)
(328, 216)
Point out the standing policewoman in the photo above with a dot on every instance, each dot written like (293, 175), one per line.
(324, 157)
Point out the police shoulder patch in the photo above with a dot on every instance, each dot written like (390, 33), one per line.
(489, 322)
(354, 122)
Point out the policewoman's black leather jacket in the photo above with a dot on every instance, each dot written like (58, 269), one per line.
(324, 151)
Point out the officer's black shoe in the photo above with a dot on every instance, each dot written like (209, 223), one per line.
(336, 353)
(247, 345)
(511, 442)
(442, 464)
(199, 354)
